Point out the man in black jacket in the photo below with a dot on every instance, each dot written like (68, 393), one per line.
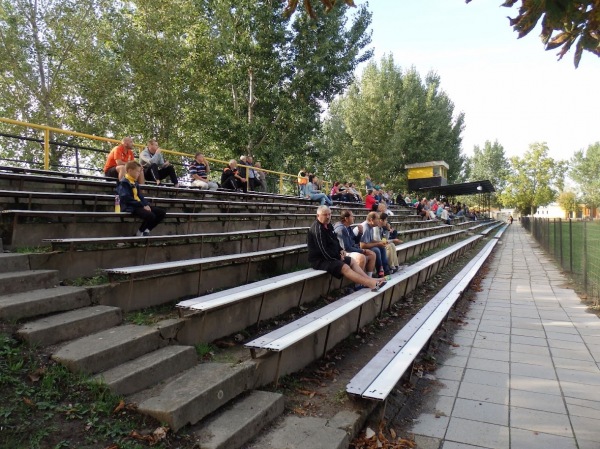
(325, 253)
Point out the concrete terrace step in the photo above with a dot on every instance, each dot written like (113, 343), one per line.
(109, 348)
(13, 262)
(198, 392)
(70, 325)
(42, 302)
(22, 281)
(239, 421)
(149, 369)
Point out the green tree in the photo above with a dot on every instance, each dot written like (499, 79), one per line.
(390, 118)
(585, 167)
(564, 23)
(534, 180)
(489, 163)
(568, 201)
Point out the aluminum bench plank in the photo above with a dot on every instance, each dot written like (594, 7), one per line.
(377, 379)
(225, 297)
(191, 262)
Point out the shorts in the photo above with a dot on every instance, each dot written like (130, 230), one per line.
(333, 267)
(111, 173)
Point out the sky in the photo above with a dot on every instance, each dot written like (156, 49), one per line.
(510, 90)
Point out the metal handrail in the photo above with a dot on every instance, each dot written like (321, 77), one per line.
(46, 145)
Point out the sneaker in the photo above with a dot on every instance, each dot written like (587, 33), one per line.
(381, 273)
(139, 233)
(146, 233)
(378, 286)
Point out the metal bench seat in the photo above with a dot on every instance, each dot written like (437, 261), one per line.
(377, 379)
(232, 295)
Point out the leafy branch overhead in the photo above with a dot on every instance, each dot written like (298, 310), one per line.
(328, 4)
(564, 23)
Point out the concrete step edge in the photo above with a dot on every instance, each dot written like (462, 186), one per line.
(70, 325)
(109, 348)
(198, 392)
(39, 302)
(149, 369)
(239, 421)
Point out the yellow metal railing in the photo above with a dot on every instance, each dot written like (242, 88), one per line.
(49, 129)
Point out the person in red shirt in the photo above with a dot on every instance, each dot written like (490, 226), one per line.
(118, 157)
(371, 202)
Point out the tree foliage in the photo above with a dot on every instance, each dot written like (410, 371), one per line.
(585, 170)
(387, 119)
(534, 180)
(564, 23)
(567, 200)
(223, 76)
(489, 163)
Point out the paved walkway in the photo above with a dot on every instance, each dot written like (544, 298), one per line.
(527, 372)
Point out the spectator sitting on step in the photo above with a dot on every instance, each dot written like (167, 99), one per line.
(325, 253)
(351, 243)
(133, 201)
(367, 241)
(313, 193)
(154, 164)
(390, 247)
(302, 182)
(230, 178)
(383, 209)
(118, 157)
(355, 193)
(371, 203)
(199, 171)
(260, 179)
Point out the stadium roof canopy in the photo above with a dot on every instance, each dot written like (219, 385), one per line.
(466, 188)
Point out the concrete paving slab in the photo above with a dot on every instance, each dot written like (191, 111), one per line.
(529, 349)
(490, 354)
(580, 365)
(448, 387)
(456, 360)
(530, 359)
(540, 421)
(484, 393)
(535, 384)
(496, 366)
(576, 376)
(486, 378)
(529, 370)
(527, 332)
(528, 439)
(447, 372)
(431, 425)
(454, 445)
(527, 340)
(477, 433)
(491, 336)
(537, 401)
(487, 412)
(583, 407)
(586, 428)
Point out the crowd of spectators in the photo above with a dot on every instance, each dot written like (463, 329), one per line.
(244, 175)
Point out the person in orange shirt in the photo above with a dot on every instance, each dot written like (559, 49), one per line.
(118, 157)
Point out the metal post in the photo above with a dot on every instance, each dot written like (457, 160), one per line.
(281, 184)
(77, 159)
(46, 149)
(585, 276)
(570, 245)
(562, 264)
